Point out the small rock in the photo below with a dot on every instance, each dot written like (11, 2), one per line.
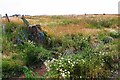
(68, 51)
(107, 40)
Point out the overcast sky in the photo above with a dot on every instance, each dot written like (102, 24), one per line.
(58, 7)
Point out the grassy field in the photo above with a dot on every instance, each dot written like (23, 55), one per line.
(76, 46)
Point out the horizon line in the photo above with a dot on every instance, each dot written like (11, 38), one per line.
(63, 14)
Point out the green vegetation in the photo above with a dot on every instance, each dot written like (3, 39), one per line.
(63, 22)
(71, 56)
(101, 23)
(16, 55)
(90, 63)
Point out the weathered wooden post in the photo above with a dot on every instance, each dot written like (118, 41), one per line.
(7, 18)
(26, 23)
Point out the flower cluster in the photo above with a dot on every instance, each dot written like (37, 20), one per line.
(64, 66)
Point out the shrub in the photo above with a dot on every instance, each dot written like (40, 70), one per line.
(115, 34)
(105, 37)
(34, 54)
(96, 65)
(105, 23)
(91, 63)
(29, 74)
(68, 21)
(57, 17)
(11, 68)
(99, 23)
(10, 27)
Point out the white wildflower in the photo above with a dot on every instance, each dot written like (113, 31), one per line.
(77, 59)
(83, 60)
(68, 61)
(29, 41)
(68, 72)
(65, 70)
(14, 45)
(57, 69)
(53, 60)
(102, 64)
(72, 65)
(100, 68)
(95, 53)
(80, 76)
(60, 70)
(74, 62)
(63, 74)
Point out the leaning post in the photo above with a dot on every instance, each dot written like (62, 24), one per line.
(7, 18)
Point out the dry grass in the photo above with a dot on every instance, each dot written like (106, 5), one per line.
(65, 29)
(13, 19)
(62, 30)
